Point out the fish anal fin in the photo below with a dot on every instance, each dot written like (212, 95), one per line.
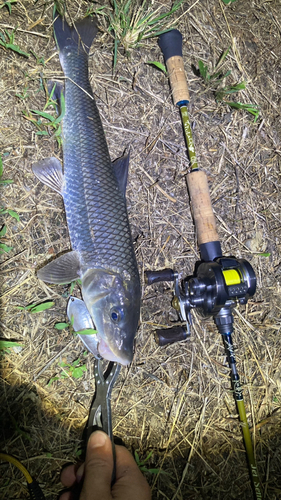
(121, 169)
(49, 172)
(62, 270)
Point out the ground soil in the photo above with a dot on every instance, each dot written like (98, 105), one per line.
(176, 401)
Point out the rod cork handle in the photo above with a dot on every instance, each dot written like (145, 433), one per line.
(171, 45)
(201, 207)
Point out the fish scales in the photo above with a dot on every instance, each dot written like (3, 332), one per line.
(95, 208)
(93, 190)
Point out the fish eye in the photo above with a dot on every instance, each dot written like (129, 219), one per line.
(116, 315)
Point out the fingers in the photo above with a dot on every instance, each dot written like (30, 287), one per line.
(66, 496)
(130, 483)
(98, 468)
(96, 474)
(68, 475)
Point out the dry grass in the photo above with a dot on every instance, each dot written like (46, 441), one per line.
(176, 400)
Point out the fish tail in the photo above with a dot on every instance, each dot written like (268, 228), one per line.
(81, 34)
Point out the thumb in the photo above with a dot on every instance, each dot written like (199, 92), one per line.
(98, 468)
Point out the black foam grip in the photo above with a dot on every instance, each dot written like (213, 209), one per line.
(35, 491)
(157, 276)
(171, 44)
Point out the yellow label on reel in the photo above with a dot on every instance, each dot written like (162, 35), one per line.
(232, 277)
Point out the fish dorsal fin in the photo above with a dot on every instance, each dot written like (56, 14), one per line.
(121, 169)
(49, 172)
(62, 270)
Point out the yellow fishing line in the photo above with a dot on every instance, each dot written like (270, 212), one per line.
(9, 458)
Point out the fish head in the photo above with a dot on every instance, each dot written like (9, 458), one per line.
(113, 302)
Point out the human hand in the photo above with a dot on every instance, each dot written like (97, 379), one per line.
(96, 474)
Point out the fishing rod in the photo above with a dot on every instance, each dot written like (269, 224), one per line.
(218, 282)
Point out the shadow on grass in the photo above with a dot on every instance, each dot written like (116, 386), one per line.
(42, 436)
(36, 433)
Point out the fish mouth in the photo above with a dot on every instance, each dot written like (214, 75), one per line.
(123, 357)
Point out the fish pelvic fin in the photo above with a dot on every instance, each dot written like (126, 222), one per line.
(121, 169)
(81, 34)
(55, 90)
(49, 172)
(62, 270)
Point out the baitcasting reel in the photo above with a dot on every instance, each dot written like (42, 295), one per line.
(213, 290)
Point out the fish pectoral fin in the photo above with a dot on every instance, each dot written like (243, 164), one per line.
(121, 169)
(80, 319)
(49, 172)
(62, 270)
(78, 314)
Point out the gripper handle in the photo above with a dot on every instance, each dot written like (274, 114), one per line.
(171, 45)
(201, 207)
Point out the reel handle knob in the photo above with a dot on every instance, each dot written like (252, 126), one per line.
(168, 336)
(171, 45)
(158, 276)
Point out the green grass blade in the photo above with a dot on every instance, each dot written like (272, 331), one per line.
(152, 34)
(17, 49)
(222, 58)
(41, 132)
(42, 307)
(87, 331)
(79, 371)
(76, 362)
(61, 326)
(250, 108)
(62, 104)
(5, 344)
(5, 248)
(203, 70)
(158, 65)
(6, 181)
(44, 115)
(52, 93)
(234, 88)
(147, 458)
(3, 231)
(13, 214)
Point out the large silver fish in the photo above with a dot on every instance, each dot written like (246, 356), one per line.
(93, 191)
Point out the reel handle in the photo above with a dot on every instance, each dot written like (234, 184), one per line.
(171, 45)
